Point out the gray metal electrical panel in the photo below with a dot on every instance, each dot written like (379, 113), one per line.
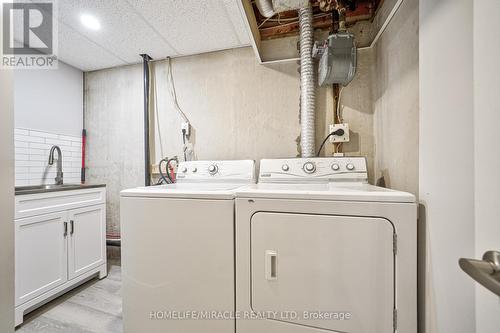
(339, 60)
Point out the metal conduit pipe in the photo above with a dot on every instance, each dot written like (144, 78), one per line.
(307, 82)
(147, 158)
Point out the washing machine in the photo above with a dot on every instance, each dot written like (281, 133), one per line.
(178, 250)
(318, 249)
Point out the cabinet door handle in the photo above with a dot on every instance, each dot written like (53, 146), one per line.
(65, 228)
(72, 227)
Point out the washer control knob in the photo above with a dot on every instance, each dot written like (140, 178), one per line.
(285, 167)
(184, 170)
(195, 169)
(335, 167)
(309, 167)
(212, 169)
(350, 166)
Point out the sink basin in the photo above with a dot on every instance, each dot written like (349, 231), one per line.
(52, 188)
(44, 187)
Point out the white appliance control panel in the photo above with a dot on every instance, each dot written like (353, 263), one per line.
(316, 169)
(213, 171)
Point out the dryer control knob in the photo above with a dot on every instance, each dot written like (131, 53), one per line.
(285, 167)
(212, 169)
(335, 167)
(195, 169)
(184, 170)
(309, 167)
(350, 166)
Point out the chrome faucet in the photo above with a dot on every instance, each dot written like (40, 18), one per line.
(59, 176)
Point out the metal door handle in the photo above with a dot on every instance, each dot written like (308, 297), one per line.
(72, 227)
(486, 271)
(65, 228)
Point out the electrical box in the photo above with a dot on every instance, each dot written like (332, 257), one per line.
(339, 138)
(338, 61)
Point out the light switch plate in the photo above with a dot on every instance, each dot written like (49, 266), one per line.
(341, 138)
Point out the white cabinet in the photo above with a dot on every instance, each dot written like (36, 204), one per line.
(87, 243)
(41, 255)
(60, 242)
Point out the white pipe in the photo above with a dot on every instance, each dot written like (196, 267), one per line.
(307, 83)
(265, 7)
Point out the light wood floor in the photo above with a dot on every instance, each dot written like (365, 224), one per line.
(94, 307)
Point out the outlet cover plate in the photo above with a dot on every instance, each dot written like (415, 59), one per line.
(336, 138)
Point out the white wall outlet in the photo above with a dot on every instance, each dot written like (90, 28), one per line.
(186, 128)
(339, 138)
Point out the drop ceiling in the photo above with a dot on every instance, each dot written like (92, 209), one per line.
(159, 28)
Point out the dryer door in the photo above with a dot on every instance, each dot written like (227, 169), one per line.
(321, 271)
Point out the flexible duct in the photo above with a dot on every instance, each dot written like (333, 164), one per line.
(265, 7)
(307, 85)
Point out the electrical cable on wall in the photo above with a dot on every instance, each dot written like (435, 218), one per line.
(157, 113)
(186, 126)
(338, 148)
(340, 119)
(337, 132)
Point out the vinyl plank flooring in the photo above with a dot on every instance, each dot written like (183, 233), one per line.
(94, 307)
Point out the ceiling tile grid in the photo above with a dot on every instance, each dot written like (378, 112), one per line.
(159, 28)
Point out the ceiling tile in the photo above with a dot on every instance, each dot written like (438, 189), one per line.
(236, 17)
(123, 31)
(80, 52)
(194, 26)
(159, 28)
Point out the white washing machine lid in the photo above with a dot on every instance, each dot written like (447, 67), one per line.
(325, 191)
(186, 190)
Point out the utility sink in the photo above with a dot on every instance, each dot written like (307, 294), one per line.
(52, 188)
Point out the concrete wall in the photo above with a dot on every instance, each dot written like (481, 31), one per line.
(486, 152)
(446, 164)
(395, 100)
(6, 202)
(114, 122)
(238, 109)
(49, 100)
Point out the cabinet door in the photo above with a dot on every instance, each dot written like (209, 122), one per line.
(87, 239)
(41, 255)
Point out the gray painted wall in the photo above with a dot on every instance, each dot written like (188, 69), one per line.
(357, 110)
(395, 100)
(114, 121)
(49, 100)
(6, 203)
